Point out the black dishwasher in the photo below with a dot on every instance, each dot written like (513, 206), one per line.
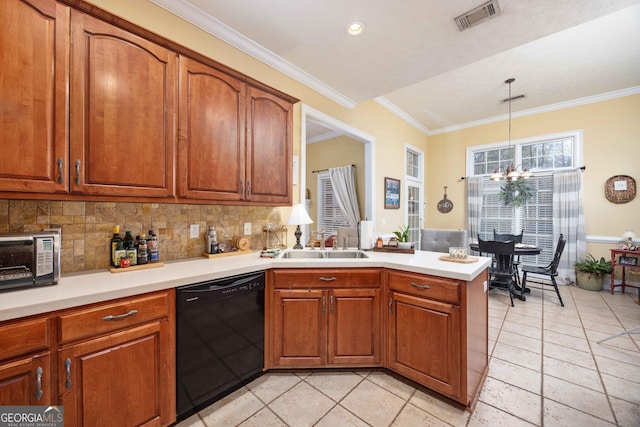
(220, 339)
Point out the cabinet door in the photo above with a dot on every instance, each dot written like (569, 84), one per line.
(26, 381)
(119, 379)
(300, 328)
(269, 148)
(354, 327)
(425, 343)
(211, 127)
(122, 112)
(33, 94)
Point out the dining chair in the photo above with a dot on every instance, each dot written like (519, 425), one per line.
(516, 238)
(501, 269)
(546, 276)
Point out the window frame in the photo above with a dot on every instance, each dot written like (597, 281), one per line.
(416, 182)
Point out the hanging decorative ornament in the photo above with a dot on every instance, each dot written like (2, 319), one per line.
(445, 205)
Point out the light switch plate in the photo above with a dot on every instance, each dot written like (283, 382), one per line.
(194, 231)
(247, 228)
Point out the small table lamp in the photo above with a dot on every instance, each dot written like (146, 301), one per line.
(299, 217)
(629, 235)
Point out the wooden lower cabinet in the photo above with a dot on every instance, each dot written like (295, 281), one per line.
(317, 321)
(125, 374)
(108, 364)
(25, 362)
(429, 329)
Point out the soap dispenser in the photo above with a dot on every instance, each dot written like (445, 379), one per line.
(212, 240)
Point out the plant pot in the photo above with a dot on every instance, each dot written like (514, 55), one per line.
(404, 245)
(589, 282)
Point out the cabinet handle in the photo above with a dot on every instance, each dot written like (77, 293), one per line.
(77, 172)
(39, 391)
(60, 178)
(67, 368)
(327, 279)
(241, 187)
(324, 305)
(331, 304)
(119, 316)
(248, 188)
(391, 306)
(420, 286)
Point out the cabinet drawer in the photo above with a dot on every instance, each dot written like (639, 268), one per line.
(24, 337)
(327, 278)
(99, 319)
(425, 286)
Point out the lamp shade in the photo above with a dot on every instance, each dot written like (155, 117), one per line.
(629, 235)
(299, 215)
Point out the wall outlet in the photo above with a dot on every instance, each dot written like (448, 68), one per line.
(194, 231)
(383, 222)
(247, 228)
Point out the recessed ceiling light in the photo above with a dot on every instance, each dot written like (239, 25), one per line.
(355, 28)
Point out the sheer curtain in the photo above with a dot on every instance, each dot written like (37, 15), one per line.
(474, 207)
(568, 219)
(343, 181)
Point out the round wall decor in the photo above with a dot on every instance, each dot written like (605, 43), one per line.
(445, 205)
(620, 189)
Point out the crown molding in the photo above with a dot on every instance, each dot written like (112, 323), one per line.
(384, 102)
(213, 26)
(635, 90)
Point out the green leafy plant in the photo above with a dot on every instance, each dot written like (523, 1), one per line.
(516, 192)
(403, 234)
(594, 267)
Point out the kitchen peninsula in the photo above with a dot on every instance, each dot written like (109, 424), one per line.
(426, 318)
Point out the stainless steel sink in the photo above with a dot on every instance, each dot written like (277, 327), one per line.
(345, 254)
(301, 254)
(331, 254)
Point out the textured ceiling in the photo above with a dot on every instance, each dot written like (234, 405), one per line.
(413, 59)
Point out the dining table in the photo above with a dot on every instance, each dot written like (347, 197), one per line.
(519, 249)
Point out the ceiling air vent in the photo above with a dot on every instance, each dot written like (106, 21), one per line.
(478, 15)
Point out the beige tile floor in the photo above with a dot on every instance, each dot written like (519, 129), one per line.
(546, 369)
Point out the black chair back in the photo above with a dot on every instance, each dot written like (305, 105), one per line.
(503, 255)
(505, 237)
(553, 266)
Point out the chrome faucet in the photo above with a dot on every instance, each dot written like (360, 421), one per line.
(321, 234)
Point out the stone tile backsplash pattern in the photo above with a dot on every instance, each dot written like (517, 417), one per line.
(87, 227)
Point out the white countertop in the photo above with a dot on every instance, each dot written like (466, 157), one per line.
(102, 285)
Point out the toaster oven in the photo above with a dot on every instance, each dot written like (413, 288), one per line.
(29, 259)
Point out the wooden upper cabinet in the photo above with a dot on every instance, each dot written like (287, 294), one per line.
(211, 148)
(33, 95)
(269, 148)
(122, 112)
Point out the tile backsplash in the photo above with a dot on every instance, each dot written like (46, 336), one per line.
(87, 227)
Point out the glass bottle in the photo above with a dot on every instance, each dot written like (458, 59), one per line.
(115, 262)
(153, 248)
(120, 253)
(130, 247)
(143, 256)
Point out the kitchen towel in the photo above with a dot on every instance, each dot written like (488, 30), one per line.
(367, 235)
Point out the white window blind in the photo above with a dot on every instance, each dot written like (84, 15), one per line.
(330, 216)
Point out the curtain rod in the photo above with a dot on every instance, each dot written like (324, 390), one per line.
(580, 168)
(324, 170)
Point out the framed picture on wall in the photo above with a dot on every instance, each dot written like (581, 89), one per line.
(391, 193)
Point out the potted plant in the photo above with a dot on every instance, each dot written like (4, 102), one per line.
(403, 237)
(590, 272)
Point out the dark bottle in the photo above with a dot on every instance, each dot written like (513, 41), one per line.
(114, 243)
(130, 247)
(120, 254)
(143, 256)
(153, 249)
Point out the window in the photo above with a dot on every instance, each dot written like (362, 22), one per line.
(543, 156)
(330, 216)
(414, 161)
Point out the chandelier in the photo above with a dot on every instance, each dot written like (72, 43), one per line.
(511, 173)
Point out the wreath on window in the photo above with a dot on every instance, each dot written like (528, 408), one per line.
(516, 193)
